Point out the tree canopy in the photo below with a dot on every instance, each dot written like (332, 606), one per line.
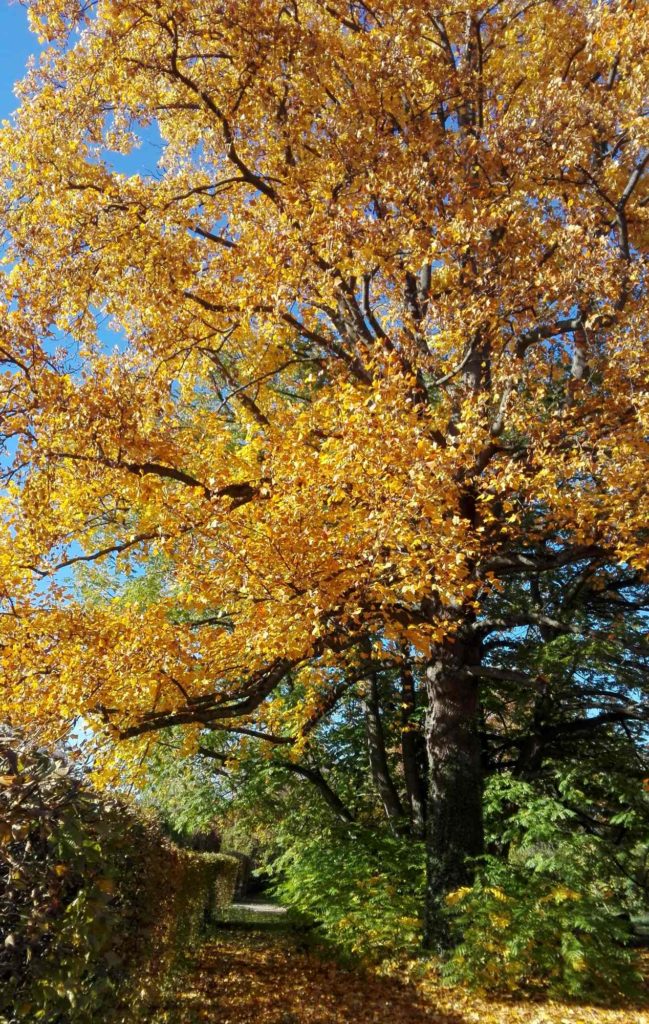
(379, 374)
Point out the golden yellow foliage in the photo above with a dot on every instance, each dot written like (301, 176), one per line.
(381, 318)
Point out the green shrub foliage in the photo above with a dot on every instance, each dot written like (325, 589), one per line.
(363, 887)
(96, 906)
(548, 911)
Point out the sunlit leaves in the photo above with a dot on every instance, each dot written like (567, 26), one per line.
(371, 327)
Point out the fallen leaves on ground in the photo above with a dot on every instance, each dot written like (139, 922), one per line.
(253, 978)
(473, 1009)
(259, 979)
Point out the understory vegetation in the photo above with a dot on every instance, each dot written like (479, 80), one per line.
(97, 907)
(553, 900)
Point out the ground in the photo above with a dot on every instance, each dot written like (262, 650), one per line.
(255, 971)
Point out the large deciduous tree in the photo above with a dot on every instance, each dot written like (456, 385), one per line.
(379, 302)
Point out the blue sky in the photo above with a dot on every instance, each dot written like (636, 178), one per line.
(16, 45)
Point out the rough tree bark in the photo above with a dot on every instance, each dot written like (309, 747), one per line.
(378, 757)
(411, 744)
(454, 829)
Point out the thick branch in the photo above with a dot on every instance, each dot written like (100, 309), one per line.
(213, 708)
(315, 776)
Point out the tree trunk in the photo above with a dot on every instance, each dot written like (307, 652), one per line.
(378, 756)
(411, 751)
(454, 832)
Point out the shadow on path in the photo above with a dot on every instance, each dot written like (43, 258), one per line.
(261, 977)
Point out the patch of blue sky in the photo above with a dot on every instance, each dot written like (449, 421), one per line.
(143, 158)
(111, 335)
(17, 44)
(62, 344)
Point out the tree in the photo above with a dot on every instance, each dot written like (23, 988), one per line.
(380, 310)
(566, 821)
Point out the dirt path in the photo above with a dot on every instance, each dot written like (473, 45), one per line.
(265, 977)
(257, 969)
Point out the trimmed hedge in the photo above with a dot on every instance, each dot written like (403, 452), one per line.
(97, 907)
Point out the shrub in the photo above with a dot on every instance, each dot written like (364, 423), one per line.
(523, 930)
(363, 888)
(547, 914)
(96, 906)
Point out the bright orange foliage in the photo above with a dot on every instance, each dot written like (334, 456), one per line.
(383, 305)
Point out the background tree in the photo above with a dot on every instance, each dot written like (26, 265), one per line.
(381, 311)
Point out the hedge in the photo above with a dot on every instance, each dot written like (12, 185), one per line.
(97, 907)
